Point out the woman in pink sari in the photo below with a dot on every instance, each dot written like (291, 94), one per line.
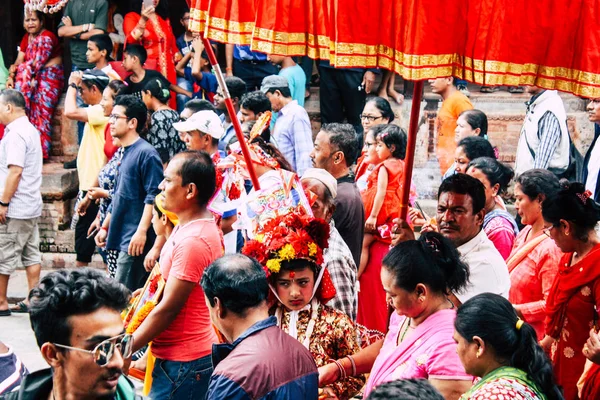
(417, 276)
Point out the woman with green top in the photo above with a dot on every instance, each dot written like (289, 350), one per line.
(501, 349)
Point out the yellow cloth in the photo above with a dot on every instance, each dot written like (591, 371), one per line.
(149, 368)
(159, 200)
(455, 104)
(91, 157)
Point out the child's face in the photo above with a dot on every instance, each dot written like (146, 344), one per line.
(383, 152)
(157, 223)
(128, 62)
(370, 149)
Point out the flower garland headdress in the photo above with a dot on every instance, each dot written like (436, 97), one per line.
(290, 237)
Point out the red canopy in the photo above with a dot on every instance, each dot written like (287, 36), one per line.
(553, 44)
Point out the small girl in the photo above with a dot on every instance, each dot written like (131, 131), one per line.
(382, 196)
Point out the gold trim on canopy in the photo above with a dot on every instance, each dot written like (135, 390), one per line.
(409, 66)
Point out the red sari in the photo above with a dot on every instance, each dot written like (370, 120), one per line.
(570, 316)
(159, 42)
(591, 387)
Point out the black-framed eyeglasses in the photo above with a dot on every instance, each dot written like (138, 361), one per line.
(113, 117)
(370, 118)
(105, 350)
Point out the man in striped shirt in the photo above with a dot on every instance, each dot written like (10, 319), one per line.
(544, 141)
(12, 370)
(20, 195)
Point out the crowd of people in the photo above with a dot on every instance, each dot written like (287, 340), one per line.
(311, 286)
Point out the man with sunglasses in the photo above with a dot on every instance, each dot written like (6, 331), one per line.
(127, 227)
(76, 318)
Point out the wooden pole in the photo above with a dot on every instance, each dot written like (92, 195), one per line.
(229, 104)
(410, 146)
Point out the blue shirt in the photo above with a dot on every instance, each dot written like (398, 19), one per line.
(252, 367)
(138, 177)
(297, 81)
(243, 53)
(293, 136)
(208, 84)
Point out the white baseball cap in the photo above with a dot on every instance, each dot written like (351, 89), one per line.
(204, 121)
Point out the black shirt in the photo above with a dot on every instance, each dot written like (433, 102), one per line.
(349, 215)
(136, 88)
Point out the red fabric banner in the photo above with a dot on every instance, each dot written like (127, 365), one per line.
(553, 44)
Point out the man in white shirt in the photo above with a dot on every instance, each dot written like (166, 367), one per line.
(20, 196)
(460, 213)
(591, 166)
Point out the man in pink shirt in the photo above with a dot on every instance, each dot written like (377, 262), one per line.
(179, 327)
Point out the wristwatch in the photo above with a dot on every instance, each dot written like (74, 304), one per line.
(74, 86)
(3, 204)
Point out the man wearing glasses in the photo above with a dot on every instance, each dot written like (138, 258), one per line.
(76, 319)
(90, 157)
(128, 224)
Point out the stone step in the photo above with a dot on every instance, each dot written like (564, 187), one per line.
(17, 284)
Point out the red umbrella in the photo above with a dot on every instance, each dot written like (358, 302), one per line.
(553, 44)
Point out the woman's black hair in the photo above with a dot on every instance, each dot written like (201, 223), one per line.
(538, 183)
(383, 106)
(118, 87)
(572, 205)
(431, 260)
(391, 134)
(475, 147)
(495, 171)
(274, 152)
(476, 119)
(157, 89)
(492, 318)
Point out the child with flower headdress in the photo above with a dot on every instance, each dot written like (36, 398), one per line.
(290, 249)
(382, 196)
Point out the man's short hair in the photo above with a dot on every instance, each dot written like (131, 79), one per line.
(342, 137)
(103, 42)
(465, 184)
(14, 98)
(196, 105)
(406, 389)
(65, 293)
(238, 281)
(256, 102)
(236, 87)
(198, 168)
(134, 108)
(137, 50)
(285, 91)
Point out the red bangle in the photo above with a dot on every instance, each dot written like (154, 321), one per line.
(103, 229)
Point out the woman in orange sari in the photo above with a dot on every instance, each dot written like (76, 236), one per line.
(575, 295)
(152, 29)
(533, 262)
